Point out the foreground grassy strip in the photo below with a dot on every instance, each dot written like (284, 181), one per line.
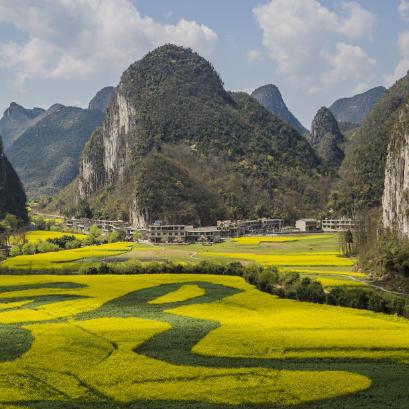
(210, 342)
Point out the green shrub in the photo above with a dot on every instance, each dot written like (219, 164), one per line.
(116, 236)
(15, 251)
(28, 249)
(46, 246)
(73, 244)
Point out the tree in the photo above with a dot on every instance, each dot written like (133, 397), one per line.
(83, 209)
(12, 221)
(40, 223)
(95, 235)
(136, 235)
(115, 236)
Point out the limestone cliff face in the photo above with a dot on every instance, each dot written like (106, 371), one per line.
(103, 160)
(395, 201)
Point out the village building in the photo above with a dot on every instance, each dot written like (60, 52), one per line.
(338, 225)
(203, 234)
(166, 233)
(180, 233)
(237, 228)
(307, 225)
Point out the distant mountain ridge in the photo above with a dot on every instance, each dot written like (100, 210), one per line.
(46, 155)
(102, 99)
(354, 110)
(16, 119)
(270, 97)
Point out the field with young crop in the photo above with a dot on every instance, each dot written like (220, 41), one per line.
(190, 341)
(313, 255)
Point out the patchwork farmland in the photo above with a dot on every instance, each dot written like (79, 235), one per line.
(192, 340)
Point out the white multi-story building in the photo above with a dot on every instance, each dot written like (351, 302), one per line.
(341, 224)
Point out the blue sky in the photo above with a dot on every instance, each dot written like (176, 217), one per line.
(315, 51)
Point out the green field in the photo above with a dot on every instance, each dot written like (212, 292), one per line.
(316, 256)
(193, 341)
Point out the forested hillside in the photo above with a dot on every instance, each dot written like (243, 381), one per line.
(176, 146)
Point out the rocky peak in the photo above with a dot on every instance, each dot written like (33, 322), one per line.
(15, 110)
(325, 137)
(102, 99)
(12, 109)
(15, 120)
(324, 123)
(270, 97)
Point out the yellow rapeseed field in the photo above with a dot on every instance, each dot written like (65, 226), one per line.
(37, 235)
(73, 356)
(255, 240)
(291, 259)
(65, 259)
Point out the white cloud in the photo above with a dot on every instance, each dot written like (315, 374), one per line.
(254, 54)
(402, 67)
(403, 9)
(358, 22)
(308, 41)
(78, 38)
(344, 62)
